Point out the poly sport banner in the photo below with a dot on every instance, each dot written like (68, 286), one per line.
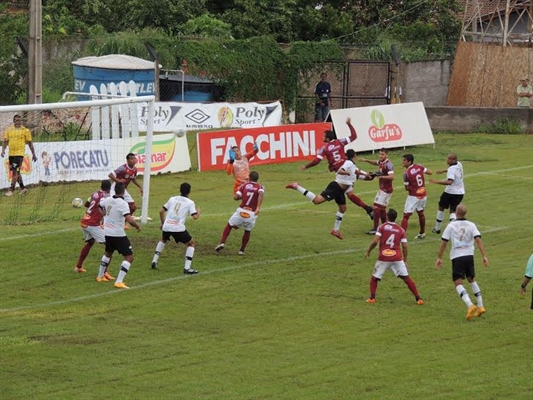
(94, 160)
(170, 116)
(277, 144)
(395, 125)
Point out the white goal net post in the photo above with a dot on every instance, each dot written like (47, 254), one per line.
(78, 141)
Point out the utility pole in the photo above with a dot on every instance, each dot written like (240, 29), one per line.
(35, 56)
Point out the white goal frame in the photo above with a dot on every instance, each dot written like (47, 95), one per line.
(150, 100)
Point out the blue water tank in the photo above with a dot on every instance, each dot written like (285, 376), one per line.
(114, 68)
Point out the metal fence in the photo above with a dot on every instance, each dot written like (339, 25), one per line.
(353, 84)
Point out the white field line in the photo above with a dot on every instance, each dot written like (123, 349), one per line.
(271, 208)
(215, 271)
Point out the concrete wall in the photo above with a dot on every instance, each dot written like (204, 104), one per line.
(469, 119)
(426, 81)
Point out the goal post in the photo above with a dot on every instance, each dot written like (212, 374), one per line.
(70, 154)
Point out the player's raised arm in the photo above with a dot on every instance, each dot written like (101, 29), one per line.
(353, 132)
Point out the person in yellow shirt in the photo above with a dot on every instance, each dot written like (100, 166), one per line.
(17, 136)
(239, 165)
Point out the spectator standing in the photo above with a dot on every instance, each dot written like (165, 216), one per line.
(524, 91)
(323, 98)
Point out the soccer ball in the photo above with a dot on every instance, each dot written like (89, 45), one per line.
(77, 202)
(180, 132)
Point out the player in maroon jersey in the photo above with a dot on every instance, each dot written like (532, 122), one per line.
(390, 237)
(333, 151)
(251, 195)
(91, 225)
(386, 176)
(126, 173)
(413, 179)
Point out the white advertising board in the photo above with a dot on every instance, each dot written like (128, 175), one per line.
(170, 116)
(388, 126)
(95, 159)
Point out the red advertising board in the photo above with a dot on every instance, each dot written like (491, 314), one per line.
(277, 144)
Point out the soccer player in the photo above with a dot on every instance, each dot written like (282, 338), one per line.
(414, 182)
(527, 277)
(453, 192)
(386, 176)
(390, 236)
(126, 173)
(17, 136)
(116, 212)
(173, 215)
(463, 234)
(251, 194)
(333, 151)
(347, 173)
(91, 225)
(239, 166)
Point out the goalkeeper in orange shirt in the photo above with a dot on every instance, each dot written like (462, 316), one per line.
(239, 166)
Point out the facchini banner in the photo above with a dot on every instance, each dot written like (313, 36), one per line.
(170, 116)
(277, 144)
(395, 125)
(95, 159)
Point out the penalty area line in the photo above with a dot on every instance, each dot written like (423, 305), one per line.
(215, 271)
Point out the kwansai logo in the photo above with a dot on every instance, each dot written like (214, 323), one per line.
(162, 154)
(382, 132)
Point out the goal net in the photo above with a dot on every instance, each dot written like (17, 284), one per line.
(77, 144)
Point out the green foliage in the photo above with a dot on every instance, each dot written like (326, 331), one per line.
(504, 125)
(13, 64)
(206, 26)
(58, 20)
(132, 43)
(247, 69)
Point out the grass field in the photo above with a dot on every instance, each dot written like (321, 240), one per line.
(289, 319)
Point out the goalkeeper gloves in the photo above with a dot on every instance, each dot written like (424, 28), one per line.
(231, 156)
(376, 173)
(256, 147)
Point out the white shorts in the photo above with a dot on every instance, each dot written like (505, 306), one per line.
(398, 267)
(413, 203)
(94, 232)
(127, 196)
(243, 217)
(382, 198)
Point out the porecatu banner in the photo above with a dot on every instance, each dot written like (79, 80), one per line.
(95, 159)
(394, 125)
(170, 116)
(277, 144)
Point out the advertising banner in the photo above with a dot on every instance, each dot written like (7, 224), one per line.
(170, 116)
(277, 144)
(388, 126)
(94, 160)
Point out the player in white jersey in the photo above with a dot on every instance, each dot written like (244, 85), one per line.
(173, 215)
(453, 192)
(343, 183)
(116, 212)
(462, 235)
(528, 275)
